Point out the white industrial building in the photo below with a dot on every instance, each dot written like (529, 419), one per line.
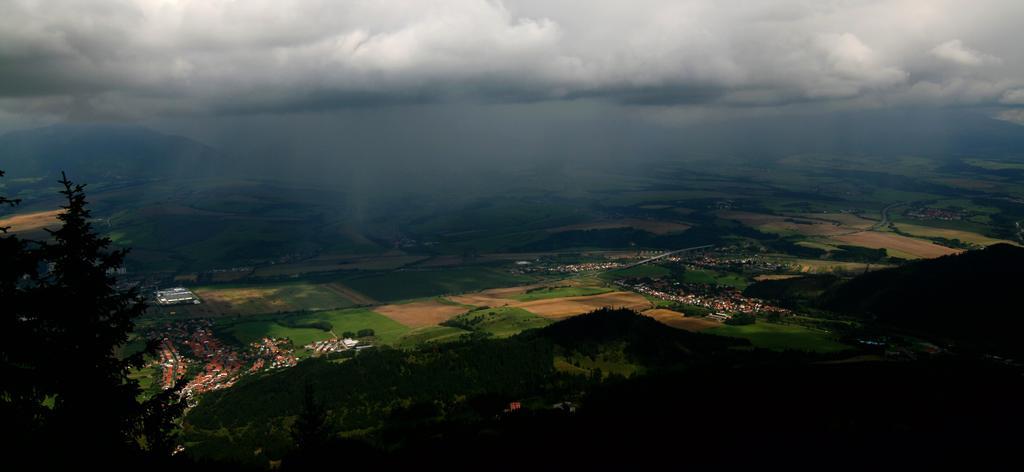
(176, 296)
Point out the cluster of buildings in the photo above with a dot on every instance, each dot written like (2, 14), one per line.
(334, 345)
(726, 259)
(189, 347)
(586, 267)
(713, 261)
(548, 267)
(172, 365)
(720, 300)
(220, 363)
(935, 214)
(273, 353)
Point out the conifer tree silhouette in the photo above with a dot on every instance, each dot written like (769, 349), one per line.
(67, 386)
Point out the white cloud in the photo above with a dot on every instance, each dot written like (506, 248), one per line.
(1013, 97)
(1015, 116)
(148, 57)
(954, 51)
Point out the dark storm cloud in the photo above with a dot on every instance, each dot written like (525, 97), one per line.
(146, 58)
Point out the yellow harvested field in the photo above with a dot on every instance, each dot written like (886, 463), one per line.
(227, 299)
(678, 320)
(651, 226)
(419, 314)
(29, 222)
(914, 247)
(558, 308)
(553, 307)
(965, 236)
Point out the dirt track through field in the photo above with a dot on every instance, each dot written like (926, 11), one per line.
(356, 297)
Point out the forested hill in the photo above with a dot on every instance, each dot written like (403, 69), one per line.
(100, 152)
(453, 403)
(645, 340)
(466, 381)
(971, 299)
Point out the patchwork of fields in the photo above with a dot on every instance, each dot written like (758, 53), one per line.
(288, 260)
(831, 230)
(408, 308)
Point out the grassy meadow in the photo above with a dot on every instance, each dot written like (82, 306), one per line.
(781, 337)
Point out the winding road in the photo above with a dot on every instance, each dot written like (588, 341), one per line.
(661, 256)
(885, 217)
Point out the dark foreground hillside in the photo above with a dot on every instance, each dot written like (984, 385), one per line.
(971, 299)
(544, 398)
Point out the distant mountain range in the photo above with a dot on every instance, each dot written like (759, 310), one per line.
(932, 133)
(101, 152)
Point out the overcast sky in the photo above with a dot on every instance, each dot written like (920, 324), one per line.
(664, 60)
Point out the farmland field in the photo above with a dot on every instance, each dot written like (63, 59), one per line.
(646, 270)
(30, 222)
(995, 165)
(271, 298)
(297, 327)
(429, 334)
(896, 245)
(814, 266)
(714, 278)
(557, 308)
(678, 320)
(934, 232)
(334, 263)
(652, 226)
(420, 313)
(251, 331)
(408, 284)
(559, 292)
(786, 225)
(563, 301)
(780, 337)
(502, 321)
(386, 331)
